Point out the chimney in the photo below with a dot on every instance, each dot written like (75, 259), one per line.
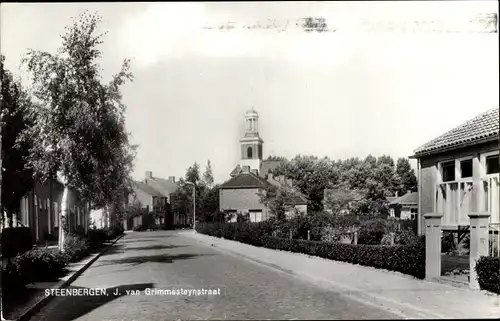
(149, 175)
(171, 179)
(246, 169)
(254, 171)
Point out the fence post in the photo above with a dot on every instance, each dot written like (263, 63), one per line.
(432, 246)
(355, 237)
(479, 239)
(308, 235)
(290, 234)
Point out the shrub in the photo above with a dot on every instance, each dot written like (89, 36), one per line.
(407, 259)
(16, 240)
(114, 232)
(96, 238)
(488, 273)
(39, 264)
(139, 228)
(250, 233)
(405, 237)
(80, 231)
(447, 242)
(75, 248)
(371, 232)
(42, 264)
(387, 239)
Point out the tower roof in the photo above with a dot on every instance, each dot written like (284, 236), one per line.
(251, 113)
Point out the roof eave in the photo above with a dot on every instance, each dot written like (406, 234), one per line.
(454, 147)
(240, 187)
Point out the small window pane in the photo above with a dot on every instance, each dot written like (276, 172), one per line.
(466, 168)
(448, 171)
(492, 165)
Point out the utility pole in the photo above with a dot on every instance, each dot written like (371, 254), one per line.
(194, 204)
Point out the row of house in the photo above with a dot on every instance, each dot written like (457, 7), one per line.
(41, 206)
(154, 195)
(457, 173)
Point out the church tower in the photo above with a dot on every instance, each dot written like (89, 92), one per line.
(251, 143)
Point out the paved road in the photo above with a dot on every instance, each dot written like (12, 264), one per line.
(166, 260)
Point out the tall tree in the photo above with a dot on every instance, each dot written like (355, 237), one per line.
(208, 177)
(193, 173)
(79, 123)
(407, 175)
(16, 178)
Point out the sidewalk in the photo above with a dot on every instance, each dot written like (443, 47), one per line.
(396, 292)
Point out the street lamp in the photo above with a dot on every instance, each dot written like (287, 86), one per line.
(194, 204)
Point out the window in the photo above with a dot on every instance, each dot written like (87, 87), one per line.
(249, 152)
(260, 151)
(492, 164)
(466, 168)
(448, 171)
(255, 215)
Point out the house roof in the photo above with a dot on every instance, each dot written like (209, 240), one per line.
(164, 186)
(267, 166)
(147, 189)
(407, 199)
(298, 199)
(245, 180)
(482, 128)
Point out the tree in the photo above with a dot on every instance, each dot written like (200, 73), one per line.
(193, 173)
(276, 158)
(78, 130)
(407, 176)
(311, 176)
(208, 177)
(15, 177)
(209, 202)
(341, 198)
(277, 200)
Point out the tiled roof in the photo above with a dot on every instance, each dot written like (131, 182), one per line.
(164, 186)
(267, 166)
(298, 200)
(482, 128)
(147, 189)
(245, 180)
(407, 199)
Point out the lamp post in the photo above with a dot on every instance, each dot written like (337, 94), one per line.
(194, 204)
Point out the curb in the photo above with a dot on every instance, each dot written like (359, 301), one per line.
(353, 293)
(35, 308)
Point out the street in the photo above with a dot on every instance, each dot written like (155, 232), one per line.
(167, 260)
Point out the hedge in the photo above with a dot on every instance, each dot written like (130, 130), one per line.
(45, 264)
(488, 273)
(407, 259)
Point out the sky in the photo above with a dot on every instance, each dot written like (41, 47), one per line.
(384, 78)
